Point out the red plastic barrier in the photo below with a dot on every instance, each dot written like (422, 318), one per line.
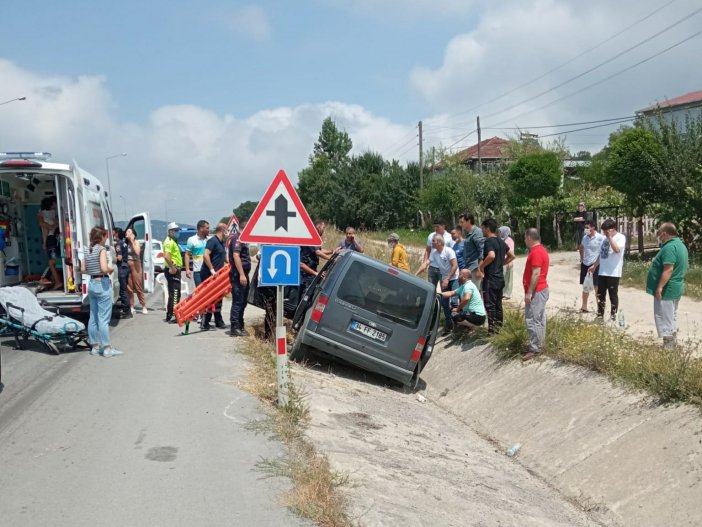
(204, 297)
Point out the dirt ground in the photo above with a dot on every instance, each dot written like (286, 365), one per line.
(412, 463)
(636, 306)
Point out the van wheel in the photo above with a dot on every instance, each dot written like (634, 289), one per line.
(299, 351)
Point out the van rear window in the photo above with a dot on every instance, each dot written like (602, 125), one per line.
(378, 291)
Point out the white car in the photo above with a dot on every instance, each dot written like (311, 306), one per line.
(157, 257)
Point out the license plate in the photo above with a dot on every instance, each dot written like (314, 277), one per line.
(368, 331)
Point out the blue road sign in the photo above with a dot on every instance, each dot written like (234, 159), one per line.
(280, 265)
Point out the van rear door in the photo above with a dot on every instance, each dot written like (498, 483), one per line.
(378, 312)
(141, 225)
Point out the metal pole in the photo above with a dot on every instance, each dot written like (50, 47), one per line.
(109, 185)
(421, 157)
(281, 345)
(480, 159)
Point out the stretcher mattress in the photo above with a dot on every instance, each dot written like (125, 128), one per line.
(35, 317)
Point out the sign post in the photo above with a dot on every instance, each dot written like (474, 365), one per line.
(281, 219)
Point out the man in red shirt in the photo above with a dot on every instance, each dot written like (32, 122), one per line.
(535, 292)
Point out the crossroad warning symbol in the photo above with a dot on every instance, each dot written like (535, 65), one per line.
(280, 218)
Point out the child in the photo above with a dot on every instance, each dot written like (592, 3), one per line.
(47, 217)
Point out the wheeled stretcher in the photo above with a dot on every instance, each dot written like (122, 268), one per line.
(22, 316)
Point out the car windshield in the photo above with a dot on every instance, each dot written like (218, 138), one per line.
(380, 292)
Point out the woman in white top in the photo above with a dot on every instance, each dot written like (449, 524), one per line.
(96, 265)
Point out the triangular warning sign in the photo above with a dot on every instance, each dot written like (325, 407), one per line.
(280, 218)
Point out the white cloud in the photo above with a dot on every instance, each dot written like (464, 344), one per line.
(516, 41)
(249, 21)
(203, 162)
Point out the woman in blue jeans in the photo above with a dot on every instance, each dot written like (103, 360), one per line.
(95, 265)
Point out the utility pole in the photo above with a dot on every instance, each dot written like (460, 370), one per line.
(480, 159)
(421, 158)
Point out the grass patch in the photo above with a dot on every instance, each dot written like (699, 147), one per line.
(635, 272)
(670, 375)
(315, 485)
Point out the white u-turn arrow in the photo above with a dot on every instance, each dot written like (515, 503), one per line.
(272, 270)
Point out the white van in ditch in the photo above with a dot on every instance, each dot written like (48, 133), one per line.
(28, 179)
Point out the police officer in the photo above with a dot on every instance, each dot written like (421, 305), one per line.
(174, 263)
(240, 267)
(122, 272)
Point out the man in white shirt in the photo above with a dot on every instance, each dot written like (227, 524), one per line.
(589, 250)
(443, 260)
(611, 263)
(439, 228)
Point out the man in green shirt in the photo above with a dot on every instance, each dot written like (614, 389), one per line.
(174, 263)
(666, 282)
(470, 311)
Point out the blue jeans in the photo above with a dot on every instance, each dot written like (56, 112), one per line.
(446, 303)
(100, 297)
(197, 278)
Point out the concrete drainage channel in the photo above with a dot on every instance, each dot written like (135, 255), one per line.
(618, 454)
(589, 453)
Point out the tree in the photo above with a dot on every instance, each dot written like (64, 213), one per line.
(535, 175)
(244, 210)
(633, 168)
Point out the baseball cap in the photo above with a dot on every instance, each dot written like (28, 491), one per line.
(393, 237)
(173, 226)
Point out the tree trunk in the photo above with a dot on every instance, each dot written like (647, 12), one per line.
(639, 231)
(557, 230)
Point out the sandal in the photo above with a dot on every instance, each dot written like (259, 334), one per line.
(584, 310)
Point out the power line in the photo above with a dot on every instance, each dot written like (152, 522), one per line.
(590, 70)
(532, 81)
(588, 128)
(406, 150)
(556, 125)
(605, 79)
(402, 140)
(391, 152)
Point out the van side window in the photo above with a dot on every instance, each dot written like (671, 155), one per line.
(382, 293)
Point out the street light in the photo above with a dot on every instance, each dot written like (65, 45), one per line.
(107, 164)
(124, 203)
(165, 203)
(13, 100)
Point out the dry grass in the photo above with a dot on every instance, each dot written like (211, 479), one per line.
(315, 490)
(670, 375)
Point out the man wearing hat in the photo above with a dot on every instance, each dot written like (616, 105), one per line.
(399, 253)
(174, 263)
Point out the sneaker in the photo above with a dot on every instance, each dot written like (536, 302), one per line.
(111, 352)
(133, 310)
(144, 311)
(126, 314)
(236, 332)
(168, 318)
(95, 351)
(205, 327)
(221, 326)
(173, 321)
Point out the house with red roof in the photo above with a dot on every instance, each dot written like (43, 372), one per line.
(678, 109)
(491, 152)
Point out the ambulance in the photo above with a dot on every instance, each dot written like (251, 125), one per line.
(79, 202)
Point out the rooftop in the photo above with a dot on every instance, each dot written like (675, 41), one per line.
(489, 149)
(693, 98)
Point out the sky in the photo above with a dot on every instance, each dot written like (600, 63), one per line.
(210, 99)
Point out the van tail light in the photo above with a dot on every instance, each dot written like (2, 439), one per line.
(417, 353)
(159, 255)
(84, 289)
(318, 310)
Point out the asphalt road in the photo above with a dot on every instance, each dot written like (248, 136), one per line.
(154, 437)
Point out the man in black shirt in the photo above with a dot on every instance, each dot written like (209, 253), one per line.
(579, 218)
(240, 267)
(496, 254)
(213, 260)
(309, 259)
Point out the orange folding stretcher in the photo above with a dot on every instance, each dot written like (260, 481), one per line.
(203, 298)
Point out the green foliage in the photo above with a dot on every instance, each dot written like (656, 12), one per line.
(670, 375)
(535, 175)
(362, 190)
(634, 166)
(244, 210)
